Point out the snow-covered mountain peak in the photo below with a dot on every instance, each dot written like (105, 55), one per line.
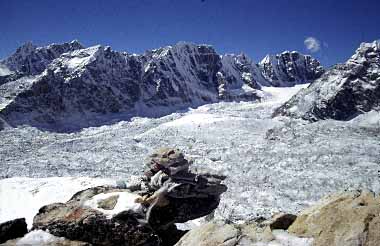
(25, 49)
(289, 68)
(159, 53)
(76, 42)
(240, 59)
(185, 44)
(366, 52)
(266, 59)
(77, 59)
(32, 60)
(179, 49)
(375, 45)
(67, 46)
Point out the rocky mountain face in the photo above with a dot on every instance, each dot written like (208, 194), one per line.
(69, 86)
(32, 60)
(343, 92)
(238, 77)
(290, 68)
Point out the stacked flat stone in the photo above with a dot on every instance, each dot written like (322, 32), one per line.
(168, 160)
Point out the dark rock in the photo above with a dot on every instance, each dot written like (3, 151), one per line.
(281, 221)
(75, 221)
(171, 235)
(12, 229)
(290, 68)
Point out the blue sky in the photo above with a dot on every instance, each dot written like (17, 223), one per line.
(232, 26)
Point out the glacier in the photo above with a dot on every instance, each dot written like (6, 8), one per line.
(271, 164)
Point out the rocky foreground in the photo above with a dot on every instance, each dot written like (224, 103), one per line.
(342, 219)
(145, 211)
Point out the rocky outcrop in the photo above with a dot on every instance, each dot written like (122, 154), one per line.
(343, 92)
(67, 87)
(140, 214)
(342, 219)
(347, 219)
(75, 221)
(221, 234)
(290, 68)
(12, 229)
(211, 234)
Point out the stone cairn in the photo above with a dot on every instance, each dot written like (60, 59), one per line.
(166, 194)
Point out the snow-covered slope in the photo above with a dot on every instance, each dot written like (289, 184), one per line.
(67, 87)
(290, 68)
(342, 92)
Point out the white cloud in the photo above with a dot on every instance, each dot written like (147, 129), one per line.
(4, 70)
(312, 44)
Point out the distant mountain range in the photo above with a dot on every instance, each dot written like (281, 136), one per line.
(67, 85)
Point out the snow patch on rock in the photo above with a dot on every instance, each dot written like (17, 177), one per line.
(39, 237)
(283, 238)
(23, 197)
(125, 201)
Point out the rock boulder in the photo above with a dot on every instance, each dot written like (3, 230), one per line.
(12, 229)
(347, 219)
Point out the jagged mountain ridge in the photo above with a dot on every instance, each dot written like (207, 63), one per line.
(343, 92)
(32, 60)
(290, 68)
(64, 83)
